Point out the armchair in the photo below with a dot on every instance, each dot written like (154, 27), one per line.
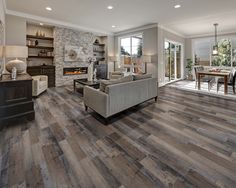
(231, 81)
(39, 84)
(207, 79)
(116, 75)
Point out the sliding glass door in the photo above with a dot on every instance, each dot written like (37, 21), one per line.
(173, 61)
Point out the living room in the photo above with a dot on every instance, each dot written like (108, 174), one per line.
(98, 95)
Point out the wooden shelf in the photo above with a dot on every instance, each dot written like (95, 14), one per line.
(100, 59)
(42, 57)
(95, 44)
(97, 51)
(38, 37)
(41, 47)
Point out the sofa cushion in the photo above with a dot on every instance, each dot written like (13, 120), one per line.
(117, 73)
(42, 84)
(142, 76)
(105, 83)
(36, 78)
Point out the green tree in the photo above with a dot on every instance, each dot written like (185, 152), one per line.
(123, 52)
(140, 50)
(224, 54)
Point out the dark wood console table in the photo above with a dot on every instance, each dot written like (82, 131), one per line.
(48, 70)
(16, 98)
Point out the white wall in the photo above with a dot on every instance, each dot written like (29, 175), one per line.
(110, 52)
(2, 16)
(15, 30)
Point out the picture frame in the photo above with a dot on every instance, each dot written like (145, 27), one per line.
(75, 53)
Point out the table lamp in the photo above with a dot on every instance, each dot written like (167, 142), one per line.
(1, 52)
(113, 59)
(16, 52)
(146, 59)
(1, 60)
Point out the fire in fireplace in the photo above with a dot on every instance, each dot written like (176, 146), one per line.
(75, 71)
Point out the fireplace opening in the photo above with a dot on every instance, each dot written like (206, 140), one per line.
(75, 71)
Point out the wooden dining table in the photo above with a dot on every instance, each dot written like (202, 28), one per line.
(223, 74)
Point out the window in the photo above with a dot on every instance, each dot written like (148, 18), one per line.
(234, 51)
(226, 52)
(202, 51)
(131, 53)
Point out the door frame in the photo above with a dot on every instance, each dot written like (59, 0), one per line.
(181, 61)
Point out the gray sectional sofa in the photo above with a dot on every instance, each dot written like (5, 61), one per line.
(116, 97)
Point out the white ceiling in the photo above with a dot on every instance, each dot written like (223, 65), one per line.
(195, 17)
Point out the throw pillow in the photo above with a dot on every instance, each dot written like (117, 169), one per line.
(105, 83)
(117, 73)
(142, 76)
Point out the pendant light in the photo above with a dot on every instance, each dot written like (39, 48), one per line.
(215, 47)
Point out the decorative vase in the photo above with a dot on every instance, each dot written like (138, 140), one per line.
(90, 72)
(95, 75)
(13, 73)
(18, 64)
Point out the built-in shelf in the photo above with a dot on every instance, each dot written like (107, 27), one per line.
(99, 52)
(44, 57)
(39, 37)
(100, 58)
(41, 47)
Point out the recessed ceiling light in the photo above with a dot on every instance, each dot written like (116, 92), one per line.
(110, 7)
(177, 6)
(49, 8)
(113, 26)
(40, 23)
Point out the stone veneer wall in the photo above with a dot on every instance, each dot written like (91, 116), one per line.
(62, 37)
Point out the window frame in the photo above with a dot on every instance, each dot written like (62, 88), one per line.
(211, 43)
(132, 66)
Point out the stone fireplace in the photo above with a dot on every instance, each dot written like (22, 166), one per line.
(66, 71)
(70, 71)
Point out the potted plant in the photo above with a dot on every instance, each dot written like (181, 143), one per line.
(189, 68)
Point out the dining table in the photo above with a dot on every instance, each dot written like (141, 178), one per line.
(223, 73)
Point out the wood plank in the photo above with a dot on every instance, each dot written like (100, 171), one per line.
(184, 140)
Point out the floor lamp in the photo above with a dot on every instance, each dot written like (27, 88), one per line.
(113, 59)
(146, 59)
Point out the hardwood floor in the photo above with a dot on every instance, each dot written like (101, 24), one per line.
(183, 140)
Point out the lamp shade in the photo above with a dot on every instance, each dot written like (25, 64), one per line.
(113, 58)
(1, 52)
(16, 52)
(146, 58)
(215, 50)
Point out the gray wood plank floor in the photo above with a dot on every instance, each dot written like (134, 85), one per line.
(183, 140)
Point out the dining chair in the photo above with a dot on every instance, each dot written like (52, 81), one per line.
(231, 82)
(207, 79)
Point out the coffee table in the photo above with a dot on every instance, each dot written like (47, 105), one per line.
(84, 82)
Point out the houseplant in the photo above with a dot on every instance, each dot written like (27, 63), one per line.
(189, 68)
